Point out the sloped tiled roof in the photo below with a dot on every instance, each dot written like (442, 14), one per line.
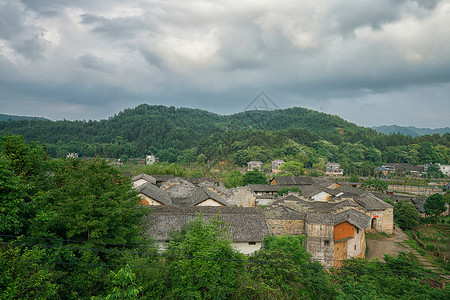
(352, 216)
(293, 180)
(246, 224)
(371, 202)
(155, 193)
(162, 178)
(144, 176)
(198, 180)
(201, 194)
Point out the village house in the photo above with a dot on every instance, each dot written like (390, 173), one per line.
(334, 231)
(247, 225)
(445, 169)
(334, 169)
(151, 159)
(142, 179)
(276, 164)
(254, 165)
(153, 195)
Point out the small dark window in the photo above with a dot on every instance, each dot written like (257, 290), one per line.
(252, 243)
(355, 247)
(357, 230)
(326, 243)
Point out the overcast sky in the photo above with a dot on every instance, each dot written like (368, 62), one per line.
(370, 62)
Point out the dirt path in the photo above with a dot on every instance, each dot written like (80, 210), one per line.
(377, 248)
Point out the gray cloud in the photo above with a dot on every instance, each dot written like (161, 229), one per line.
(96, 63)
(92, 57)
(10, 20)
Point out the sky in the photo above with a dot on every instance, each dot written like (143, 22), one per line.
(370, 62)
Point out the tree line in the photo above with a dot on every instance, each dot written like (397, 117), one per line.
(187, 135)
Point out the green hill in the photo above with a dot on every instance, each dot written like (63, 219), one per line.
(184, 134)
(410, 130)
(4, 117)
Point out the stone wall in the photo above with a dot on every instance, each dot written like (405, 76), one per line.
(320, 242)
(242, 196)
(385, 220)
(288, 227)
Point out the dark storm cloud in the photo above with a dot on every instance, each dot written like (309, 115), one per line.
(93, 57)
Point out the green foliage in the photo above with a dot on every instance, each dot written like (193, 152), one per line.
(234, 179)
(89, 202)
(254, 177)
(283, 264)
(13, 190)
(203, 263)
(23, 276)
(406, 215)
(286, 190)
(293, 168)
(434, 205)
(433, 171)
(354, 178)
(398, 278)
(123, 284)
(375, 184)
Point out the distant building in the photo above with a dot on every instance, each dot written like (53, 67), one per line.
(151, 159)
(254, 165)
(334, 169)
(445, 169)
(72, 155)
(276, 164)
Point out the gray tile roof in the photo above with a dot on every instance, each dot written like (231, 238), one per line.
(352, 216)
(198, 180)
(155, 193)
(246, 224)
(265, 187)
(371, 202)
(202, 193)
(144, 176)
(162, 178)
(293, 180)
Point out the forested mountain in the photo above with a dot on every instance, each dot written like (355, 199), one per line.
(410, 130)
(187, 135)
(4, 117)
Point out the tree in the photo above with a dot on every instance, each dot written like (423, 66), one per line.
(283, 264)
(406, 215)
(124, 286)
(375, 184)
(90, 202)
(293, 167)
(254, 177)
(13, 190)
(433, 171)
(202, 262)
(434, 205)
(234, 179)
(286, 190)
(24, 276)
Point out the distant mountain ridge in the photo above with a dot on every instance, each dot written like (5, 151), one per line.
(4, 117)
(410, 130)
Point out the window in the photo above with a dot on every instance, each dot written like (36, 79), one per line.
(355, 247)
(326, 243)
(357, 230)
(252, 243)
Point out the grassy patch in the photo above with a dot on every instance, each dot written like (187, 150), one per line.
(378, 235)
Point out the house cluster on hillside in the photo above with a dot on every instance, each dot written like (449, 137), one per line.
(332, 217)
